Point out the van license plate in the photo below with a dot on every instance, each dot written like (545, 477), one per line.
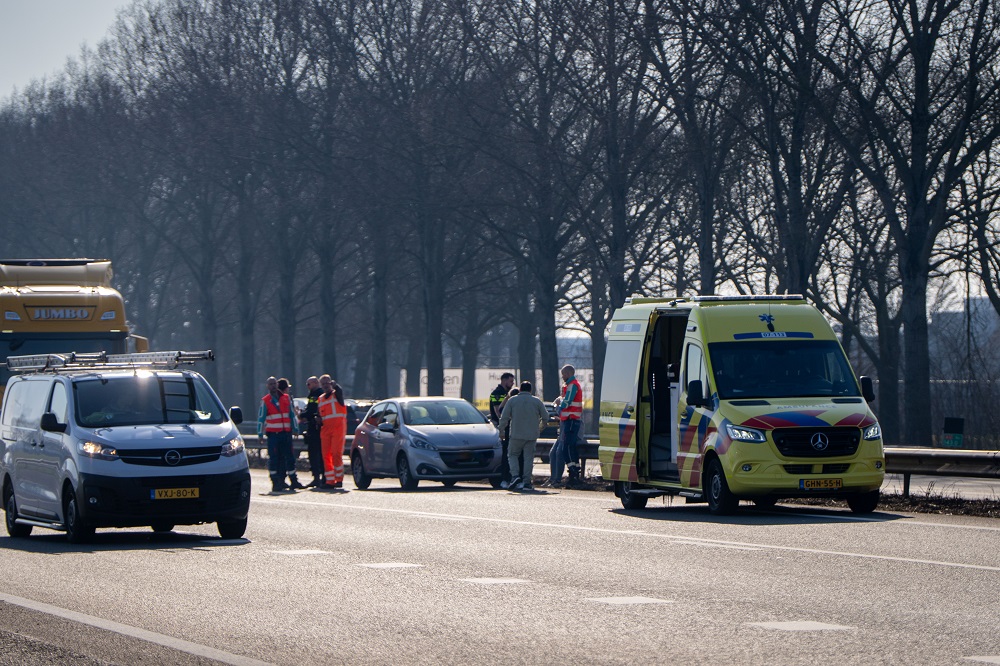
(173, 493)
(821, 484)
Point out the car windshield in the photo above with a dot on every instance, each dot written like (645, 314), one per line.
(145, 399)
(441, 412)
(781, 369)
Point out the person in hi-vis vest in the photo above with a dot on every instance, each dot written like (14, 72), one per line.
(277, 422)
(333, 414)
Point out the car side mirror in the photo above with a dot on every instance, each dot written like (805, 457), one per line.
(385, 426)
(867, 389)
(236, 414)
(696, 394)
(50, 423)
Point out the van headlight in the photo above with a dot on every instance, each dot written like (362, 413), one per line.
(233, 447)
(873, 431)
(741, 434)
(97, 450)
(420, 443)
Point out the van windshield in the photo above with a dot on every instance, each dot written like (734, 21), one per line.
(144, 399)
(781, 369)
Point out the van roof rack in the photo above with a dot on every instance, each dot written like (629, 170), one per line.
(102, 360)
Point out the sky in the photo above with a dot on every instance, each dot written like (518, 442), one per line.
(38, 36)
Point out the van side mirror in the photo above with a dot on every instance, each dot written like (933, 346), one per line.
(50, 423)
(867, 389)
(236, 415)
(696, 394)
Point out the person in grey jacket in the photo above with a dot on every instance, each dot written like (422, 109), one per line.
(527, 416)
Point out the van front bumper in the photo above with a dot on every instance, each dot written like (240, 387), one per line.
(111, 501)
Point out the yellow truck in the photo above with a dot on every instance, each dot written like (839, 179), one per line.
(723, 398)
(61, 305)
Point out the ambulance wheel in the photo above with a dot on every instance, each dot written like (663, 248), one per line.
(765, 502)
(10, 507)
(361, 478)
(630, 499)
(721, 500)
(864, 502)
(232, 529)
(77, 529)
(406, 479)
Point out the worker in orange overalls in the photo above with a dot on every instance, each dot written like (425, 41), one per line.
(333, 432)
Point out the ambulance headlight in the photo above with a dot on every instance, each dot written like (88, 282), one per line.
(96, 450)
(873, 431)
(233, 447)
(741, 434)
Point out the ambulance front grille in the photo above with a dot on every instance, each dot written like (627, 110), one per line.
(834, 468)
(828, 442)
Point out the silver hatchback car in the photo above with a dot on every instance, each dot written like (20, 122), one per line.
(436, 439)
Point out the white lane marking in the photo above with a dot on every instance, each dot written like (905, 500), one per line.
(802, 625)
(715, 545)
(607, 530)
(389, 565)
(625, 601)
(302, 552)
(984, 660)
(135, 632)
(494, 581)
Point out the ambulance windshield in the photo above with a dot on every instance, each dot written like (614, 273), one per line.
(781, 369)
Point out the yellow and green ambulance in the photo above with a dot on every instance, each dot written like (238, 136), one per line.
(723, 398)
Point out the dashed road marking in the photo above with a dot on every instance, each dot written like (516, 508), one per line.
(390, 565)
(800, 625)
(134, 632)
(494, 581)
(625, 601)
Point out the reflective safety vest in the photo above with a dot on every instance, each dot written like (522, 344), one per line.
(279, 417)
(330, 408)
(574, 410)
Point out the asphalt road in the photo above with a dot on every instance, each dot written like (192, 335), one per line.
(472, 575)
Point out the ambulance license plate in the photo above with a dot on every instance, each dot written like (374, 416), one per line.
(173, 493)
(821, 484)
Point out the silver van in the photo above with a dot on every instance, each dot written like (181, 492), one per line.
(124, 440)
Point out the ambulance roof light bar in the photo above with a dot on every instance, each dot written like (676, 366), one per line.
(103, 360)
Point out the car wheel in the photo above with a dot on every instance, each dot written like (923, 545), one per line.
(232, 529)
(721, 500)
(77, 529)
(10, 508)
(496, 482)
(361, 478)
(629, 498)
(406, 478)
(162, 527)
(864, 502)
(449, 484)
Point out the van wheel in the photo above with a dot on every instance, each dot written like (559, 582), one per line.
(721, 500)
(232, 529)
(361, 478)
(77, 529)
(630, 499)
(10, 508)
(864, 502)
(406, 478)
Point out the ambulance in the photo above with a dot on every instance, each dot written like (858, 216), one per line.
(726, 398)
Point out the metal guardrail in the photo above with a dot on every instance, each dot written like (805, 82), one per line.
(898, 459)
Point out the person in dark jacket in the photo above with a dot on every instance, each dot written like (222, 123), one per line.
(497, 399)
(309, 424)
